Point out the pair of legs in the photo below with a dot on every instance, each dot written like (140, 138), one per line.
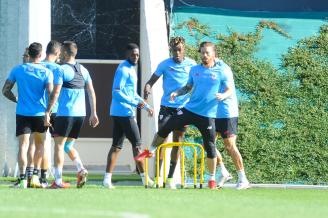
(30, 127)
(227, 128)
(66, 131)
(232, 149)
(204, 124)
(123, 127)
(164, 115)
(24, 142)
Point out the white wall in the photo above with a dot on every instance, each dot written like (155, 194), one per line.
(153, 49)
(21, 22)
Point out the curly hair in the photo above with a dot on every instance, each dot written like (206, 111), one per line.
(174, 41)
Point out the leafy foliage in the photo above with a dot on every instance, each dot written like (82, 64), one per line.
(283, 124)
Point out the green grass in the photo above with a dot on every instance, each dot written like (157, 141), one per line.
(137, 202)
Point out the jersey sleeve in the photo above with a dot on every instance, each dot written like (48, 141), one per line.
(12, 74)
(119, 82)
(50, 77)
(191, 79)
(58, 76)
(160, 69)
(227, 77)
(86, 75)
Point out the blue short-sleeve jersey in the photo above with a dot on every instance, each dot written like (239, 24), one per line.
(228, 107)
(71, 101)
(205, 82)
(175, 76)
(53, 67)
(32, 80)
(125, 98)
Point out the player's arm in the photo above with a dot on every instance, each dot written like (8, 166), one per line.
(6, 91)
(52, 100)
(227, 93)
(93, 120)
(227, 81)
(184, 90)
(143, 105)
(118, 85)
(149, 85)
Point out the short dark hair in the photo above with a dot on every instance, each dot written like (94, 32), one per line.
(34, 49)
(207, 44)
(52, 46)
(174, 41)
(131, 46)
(70, 48)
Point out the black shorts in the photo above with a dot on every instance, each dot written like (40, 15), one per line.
(227, 127)
(52, 121)
(125, 127)
(29, 124)
(164, 115)
(66, 126)
(205, 125)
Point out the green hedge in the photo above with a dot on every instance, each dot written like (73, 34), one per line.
(283, 124)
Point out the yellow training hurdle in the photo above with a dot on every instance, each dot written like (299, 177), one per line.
(182, 164)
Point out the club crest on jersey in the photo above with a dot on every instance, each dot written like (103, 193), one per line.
(213, 76)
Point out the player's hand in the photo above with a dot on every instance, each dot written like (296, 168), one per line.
(46, 121)
(173, 95)
(150, 112)
(147, 91)
(220, 96)
(141, 105)
(93, 120)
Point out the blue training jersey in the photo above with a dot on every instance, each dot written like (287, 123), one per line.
(53, 67)
(71, 101)
(205, 82)
(175, 76)
(125, 98)
(32, 80)
(227, 108)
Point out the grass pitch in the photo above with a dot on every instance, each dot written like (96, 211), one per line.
(137, 202)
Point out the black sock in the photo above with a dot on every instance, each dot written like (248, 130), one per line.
(36, 172)
(29, 172)
(43, 174)
(173, 164)
(22, 176)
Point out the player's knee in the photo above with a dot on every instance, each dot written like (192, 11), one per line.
(68, 146)
(211, 151)
(116, 148)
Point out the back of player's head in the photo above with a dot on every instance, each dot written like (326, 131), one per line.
(131, 46)
(70, 48)
(174, 41)
(207, 44)
(34, 50)
(52, 47)
(26, 56)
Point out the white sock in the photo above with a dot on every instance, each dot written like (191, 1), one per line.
(242, 176)
(58, 175)
(108, 177)
(78, 163)
(152, 149)
(223, 169)
(212, 176)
